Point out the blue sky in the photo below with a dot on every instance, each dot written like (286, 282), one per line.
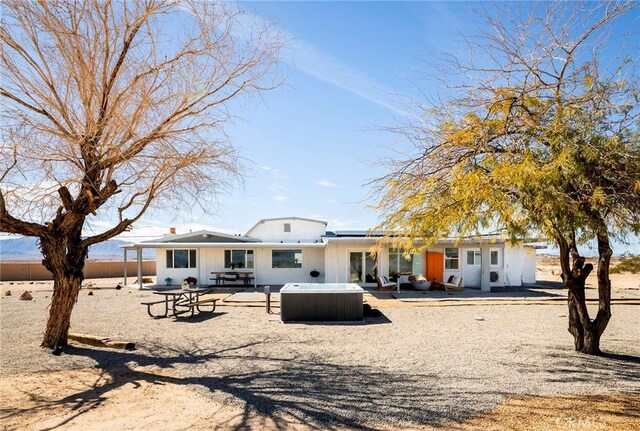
(313, 144)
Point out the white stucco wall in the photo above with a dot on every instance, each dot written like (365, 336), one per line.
(178, 274)
(499, 268)
(519, 265)
(530, 261)
(212, 259)
(470, 273)
(331, 259)
(301, 230)
(337, 261)
(312, 258)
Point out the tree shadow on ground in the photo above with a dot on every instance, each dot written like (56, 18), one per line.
(573, 367)
(197, 318)
(313, 392)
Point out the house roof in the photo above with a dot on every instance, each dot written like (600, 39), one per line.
(230, 245)
(211, 239)
(375, 236)
(202, 236)
(352, 233)
(285, 218)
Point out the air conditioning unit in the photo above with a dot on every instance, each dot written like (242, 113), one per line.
(495, 276)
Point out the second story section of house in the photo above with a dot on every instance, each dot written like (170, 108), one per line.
(288, 230)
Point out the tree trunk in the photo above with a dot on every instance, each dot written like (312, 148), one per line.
(575, 327)
(580, 325)
(601, 321)
(587, 333)
(65, 295)
(64, 258)
(586, 338)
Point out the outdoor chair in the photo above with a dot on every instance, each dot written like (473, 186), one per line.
(384, 284)
(453, 283)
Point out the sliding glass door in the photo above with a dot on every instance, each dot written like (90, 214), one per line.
(363, 267)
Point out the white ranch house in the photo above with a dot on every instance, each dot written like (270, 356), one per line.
(286, 250)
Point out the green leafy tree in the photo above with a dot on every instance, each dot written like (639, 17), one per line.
(542, 138)
(110, 108)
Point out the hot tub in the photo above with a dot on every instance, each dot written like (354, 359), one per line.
(304, 302)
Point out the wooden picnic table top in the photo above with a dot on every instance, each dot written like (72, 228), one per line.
(177, 292)
(232, 272)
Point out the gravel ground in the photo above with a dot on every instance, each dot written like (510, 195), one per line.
(412, 366)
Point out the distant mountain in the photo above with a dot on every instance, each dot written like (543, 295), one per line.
(25, 248)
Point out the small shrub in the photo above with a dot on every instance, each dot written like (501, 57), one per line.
(627, 264)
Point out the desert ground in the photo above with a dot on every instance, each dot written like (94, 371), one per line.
(477, 364)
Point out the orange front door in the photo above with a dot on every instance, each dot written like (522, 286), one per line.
(435, 266)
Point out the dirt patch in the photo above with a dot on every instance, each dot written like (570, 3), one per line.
(620, 412)
(96, 400)
(148, 398)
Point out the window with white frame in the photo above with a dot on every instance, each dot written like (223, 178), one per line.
(495, 258)
(474, 257)
(451, 258)
(400, 262)
(287, 227)
(181, 258)
(286, 258)
(238, 259)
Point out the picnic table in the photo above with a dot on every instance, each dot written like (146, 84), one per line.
(220, 277)
(183, 301)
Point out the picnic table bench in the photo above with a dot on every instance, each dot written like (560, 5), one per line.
(227, 277)
(201, 302)
(151, 303)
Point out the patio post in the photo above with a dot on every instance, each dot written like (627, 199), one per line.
(485, 272)
(139, 257)
(126, 269)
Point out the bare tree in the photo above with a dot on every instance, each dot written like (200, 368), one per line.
(111, 107)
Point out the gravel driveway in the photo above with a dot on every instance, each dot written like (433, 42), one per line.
(412, 365)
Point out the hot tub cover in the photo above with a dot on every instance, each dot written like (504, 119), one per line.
(321, 288)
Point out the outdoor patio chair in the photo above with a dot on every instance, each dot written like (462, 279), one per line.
(384, 284)
(453, 283)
